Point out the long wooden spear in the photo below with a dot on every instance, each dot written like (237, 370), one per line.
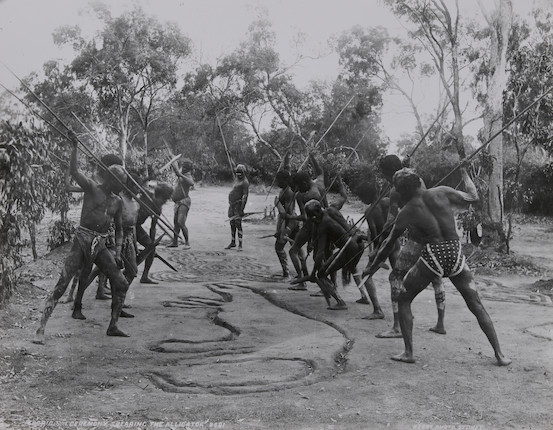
(83, 146)
(380, 197)
(473, 155)
(226, 148)
(143, 191)
(328, 129)
(470, 157)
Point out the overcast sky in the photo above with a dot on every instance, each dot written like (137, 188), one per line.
(217, 27)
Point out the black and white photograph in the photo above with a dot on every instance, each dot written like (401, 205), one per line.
(276, 214)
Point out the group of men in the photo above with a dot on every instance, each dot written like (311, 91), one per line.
(115, 207)
(411, 226)
(424, 219)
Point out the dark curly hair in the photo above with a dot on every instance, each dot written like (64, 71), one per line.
(163, 191)
(406, 181)
(390, 164)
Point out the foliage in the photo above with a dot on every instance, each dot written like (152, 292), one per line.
(126, 68)
(23, 192)
(60, 232)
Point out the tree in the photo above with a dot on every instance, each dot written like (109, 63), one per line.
(499, 19)
(128, 66)
(529, 59)
(438, 29)
(23, 191)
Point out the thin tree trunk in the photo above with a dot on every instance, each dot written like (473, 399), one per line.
(500, 22)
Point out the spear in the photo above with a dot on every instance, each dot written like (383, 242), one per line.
(470, 157)
(151, 211)
(476, 152)
(225, 144)
(144, 192)
(98, 161)
(382, 194)
(328, 129)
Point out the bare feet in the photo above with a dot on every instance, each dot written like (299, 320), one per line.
(102, 297)
(376, 315)
(338, 307)
(186, 246)
(363, 301)
(230, 245)
(68, 299)
(299, 287)
(392, 333)
(502, 361)
(114, 331)
(39, 338)
(405, 358)
(77, 315)
(317, 294)
(173, 245)
(439, 330)
(125, 314)
(147, 281)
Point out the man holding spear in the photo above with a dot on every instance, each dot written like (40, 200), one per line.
(101, 206)
(430, 217)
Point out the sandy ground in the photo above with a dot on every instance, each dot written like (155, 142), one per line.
(223, 344)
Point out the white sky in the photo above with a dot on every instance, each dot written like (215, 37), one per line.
(217, 27)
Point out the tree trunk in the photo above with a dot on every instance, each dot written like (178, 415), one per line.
(500, 21)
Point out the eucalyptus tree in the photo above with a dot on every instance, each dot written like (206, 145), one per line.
(129, 67)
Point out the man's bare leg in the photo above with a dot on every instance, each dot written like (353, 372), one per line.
(71, 293)
(86, 278)
(232, 243)
(406, 324)
(119, 285)
(183, 216)
(396, 286)
(101, 292)
(73, 263)
(416, 280)
(377, 313)
(145, 279)
(439, 294)
(282, 258)
(465, 285)
(176, 230)
(330, 288)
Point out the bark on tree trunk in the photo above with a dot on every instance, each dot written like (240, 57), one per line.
(500, 22)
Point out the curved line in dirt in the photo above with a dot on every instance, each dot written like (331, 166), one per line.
(340, 357)
(213, 316)
(169, 384)
(539, 336)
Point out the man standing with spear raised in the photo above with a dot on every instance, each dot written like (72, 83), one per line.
(101, 206)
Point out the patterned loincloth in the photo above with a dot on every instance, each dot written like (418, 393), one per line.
(91, 243)
(445, 259)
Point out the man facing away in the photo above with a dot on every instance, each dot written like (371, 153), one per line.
(101, 206)
(407, 255)
(429, 216)
(237, 199)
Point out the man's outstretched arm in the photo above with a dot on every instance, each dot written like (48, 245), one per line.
(84, 182)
